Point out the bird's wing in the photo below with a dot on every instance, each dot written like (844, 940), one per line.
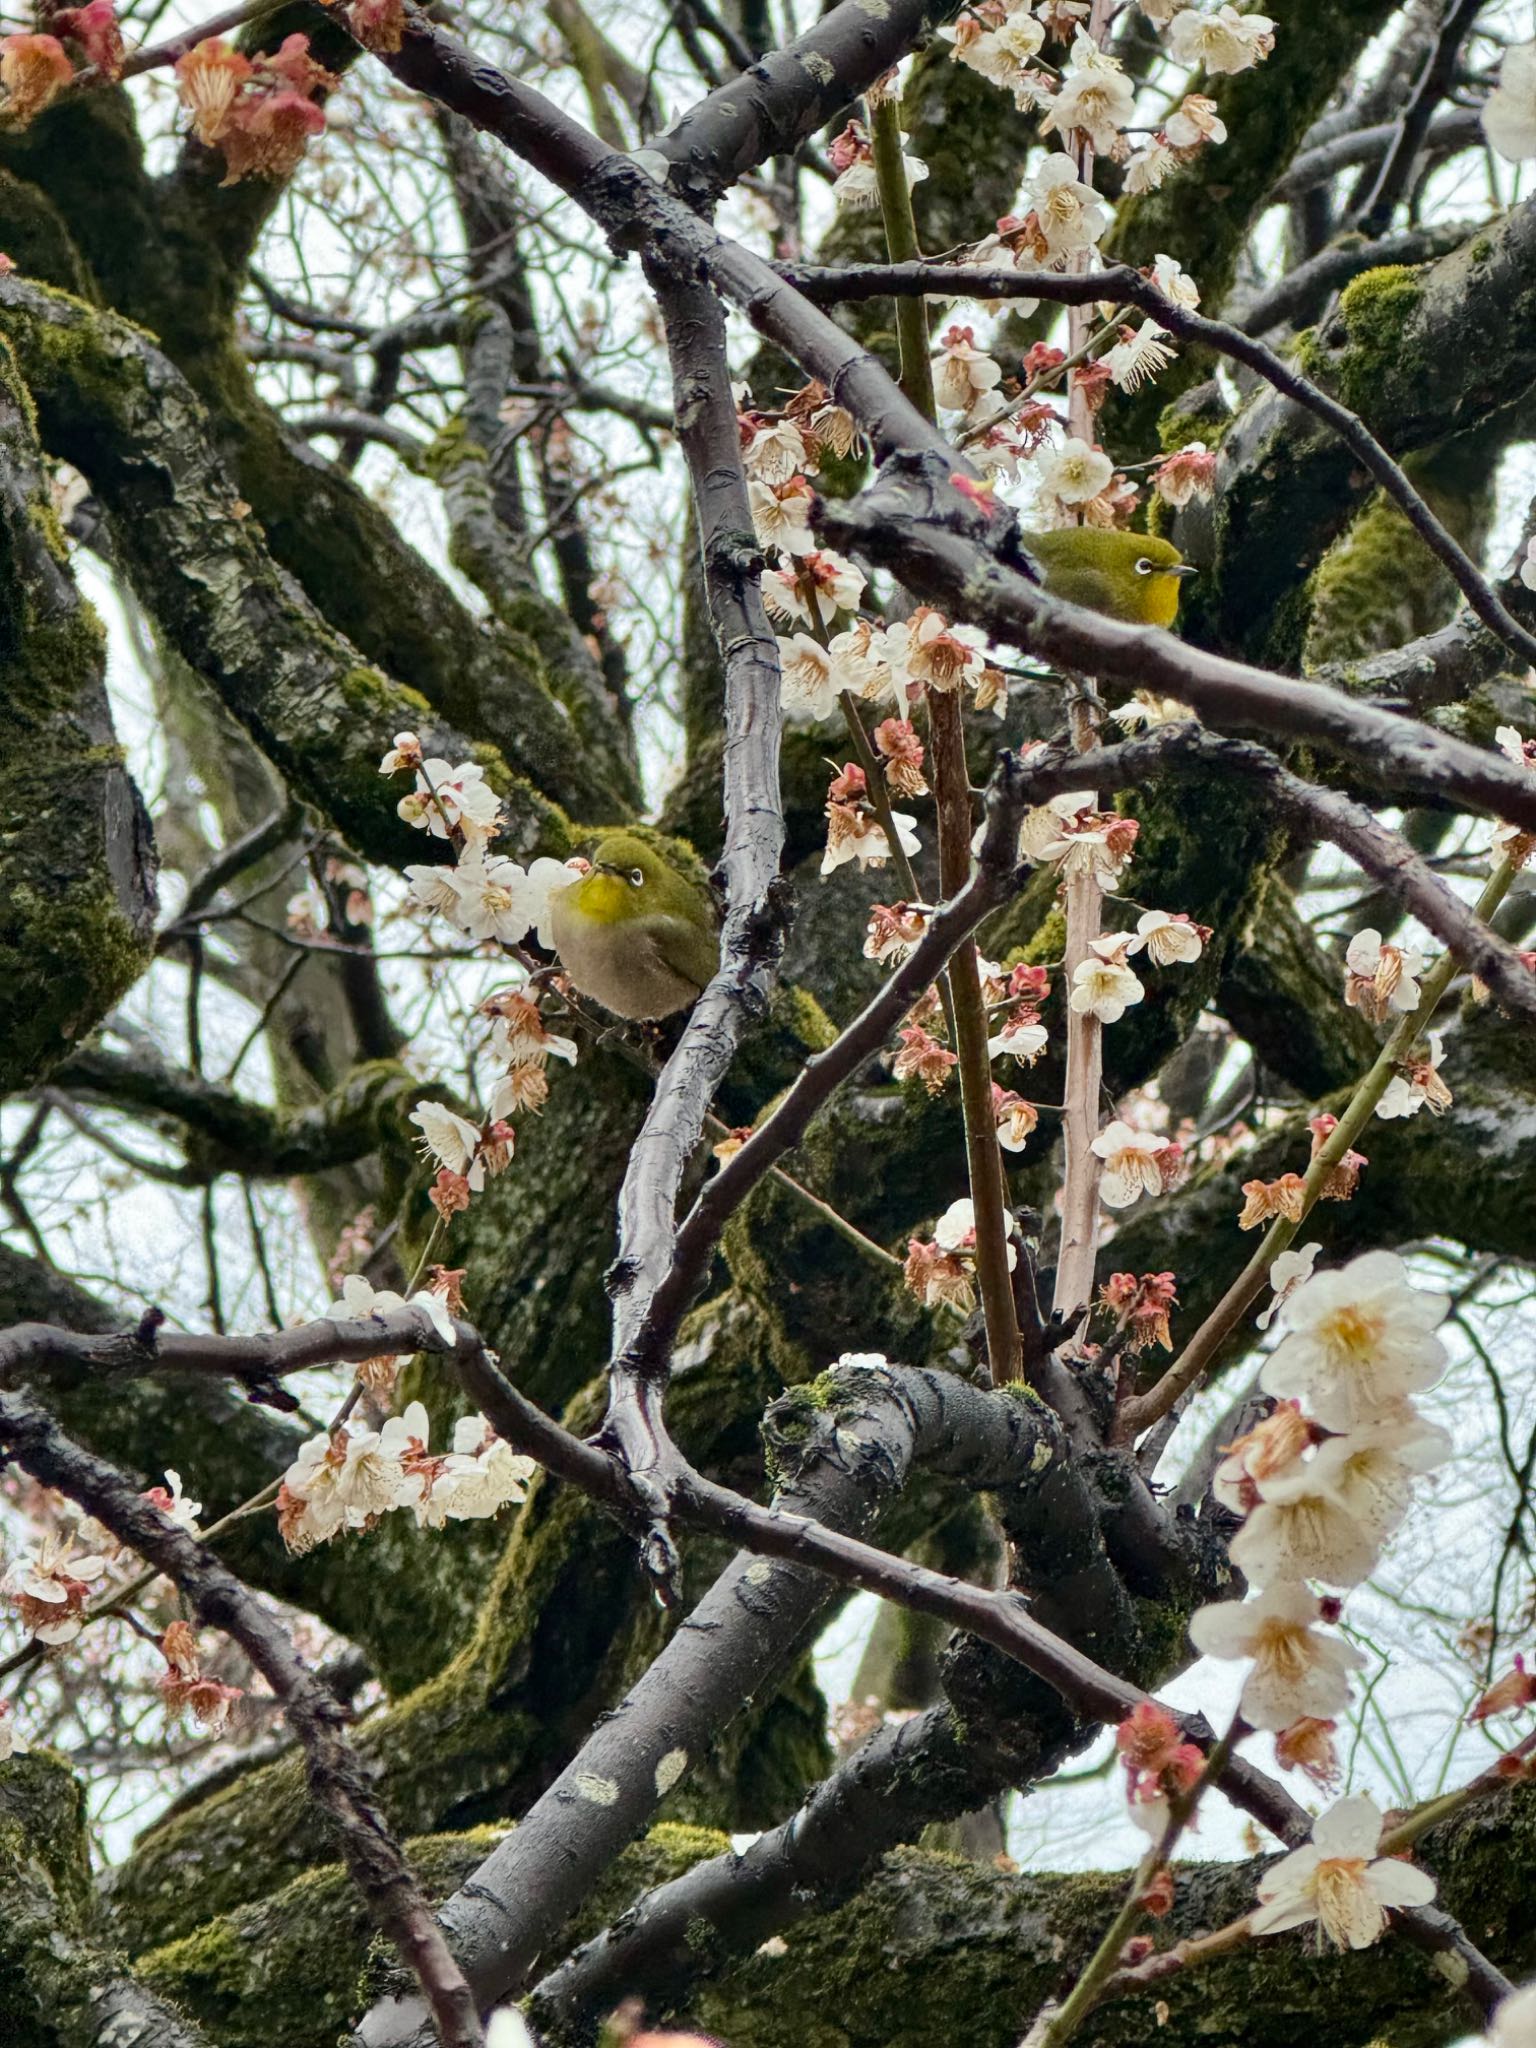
(692, 953)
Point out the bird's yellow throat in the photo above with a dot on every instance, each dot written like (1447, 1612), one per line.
(605, 898)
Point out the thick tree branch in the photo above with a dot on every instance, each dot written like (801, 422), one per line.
(755, 912)
(77, 860)
(321, 714)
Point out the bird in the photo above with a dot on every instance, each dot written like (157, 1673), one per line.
(636, 932)
(1131, 576)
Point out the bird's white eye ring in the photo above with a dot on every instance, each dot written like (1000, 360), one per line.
(1143, 567)
(636, 877)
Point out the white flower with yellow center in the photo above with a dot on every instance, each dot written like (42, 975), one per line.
(1358, 1342)
(1130, 1164)
(451, 1140)
(1169, 940)
(1297, 1670)
(1074, 472)
(1096, 98)
(1070, 213)
(1104, 988)
(1224, 41)
(1338, 1881)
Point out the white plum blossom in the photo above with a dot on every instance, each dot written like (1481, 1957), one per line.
(1130, 1163)
(1359, 1341)
(836, 583)
(1074, 472)
(1514, 2024)
(433, 888)
(1297, 1670)
(1305, 1528)
(1339, 1881)
(49, 1589)
(1194, 121)
(174, 1504)
(1406, 1094)
(1096, 98)
(868, 844)
(955, 1231)
(1528, 578)
(1137, 358)
(1070, 213)
(1003, 55)
(405, 753)
(1175, 282)
(1288, 1272)
(446, 796)
(1381, 978)
(1225, 41)
(1168, 937)
(1147, 167)
(775, 453)
(483, 1473)
(493, 898)
(336, 1482)
(359, 1299)
(962, 372)
(1103, 986)
(451, 1140)
(1371, 1471)
(780, 516)
(808, 680)
(858, 188)
(1509, 112)
(1023, 1039)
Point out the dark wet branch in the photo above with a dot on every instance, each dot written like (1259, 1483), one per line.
(756, 910)
(736, 1643)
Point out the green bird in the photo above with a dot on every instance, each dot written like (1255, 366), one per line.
(1131, 576)
(637, 934)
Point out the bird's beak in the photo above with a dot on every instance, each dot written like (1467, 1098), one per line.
(1184, 569)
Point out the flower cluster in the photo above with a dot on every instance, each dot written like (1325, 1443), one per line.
(262, 112)
(1140, 1307)
(854, 830)
(186, 1688)
(49, 1589)
(1322, 1483)
(1159, 1765)
(944, 1269)
(348, 1478)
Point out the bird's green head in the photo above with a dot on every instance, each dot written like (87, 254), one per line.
(632, 878)
(1132, 576)
(1159, 571)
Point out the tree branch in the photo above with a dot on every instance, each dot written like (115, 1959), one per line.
(316, 1716)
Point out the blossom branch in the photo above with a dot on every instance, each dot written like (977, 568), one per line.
(952, 804)
(1127, 286)
(317, 1717)
(908, 523)
(1143, 1410)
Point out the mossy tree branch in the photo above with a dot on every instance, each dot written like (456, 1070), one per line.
(77, 861)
